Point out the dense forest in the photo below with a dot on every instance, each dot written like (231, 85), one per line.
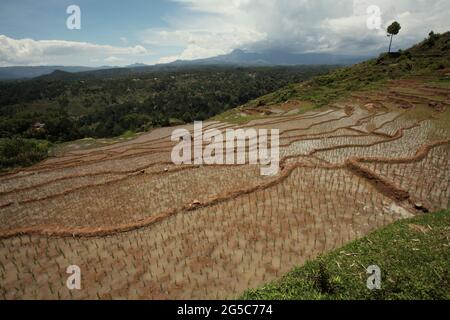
(64, 110)
(64, 106)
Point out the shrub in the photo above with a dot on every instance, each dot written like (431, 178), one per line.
(18, 152)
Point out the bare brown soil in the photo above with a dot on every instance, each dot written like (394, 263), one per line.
(140, 227)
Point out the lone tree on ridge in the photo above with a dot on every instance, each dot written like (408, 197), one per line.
(393, 30)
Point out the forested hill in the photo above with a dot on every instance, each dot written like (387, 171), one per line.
(60, 108)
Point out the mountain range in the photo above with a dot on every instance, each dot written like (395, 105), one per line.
(237, 57)
(13, 73)
(274, 57)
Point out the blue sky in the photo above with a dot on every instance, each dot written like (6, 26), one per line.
(103, 21)
(155, 31)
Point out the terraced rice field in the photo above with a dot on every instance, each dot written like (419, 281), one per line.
(139, 226)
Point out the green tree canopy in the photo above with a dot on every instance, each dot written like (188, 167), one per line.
(394, 28)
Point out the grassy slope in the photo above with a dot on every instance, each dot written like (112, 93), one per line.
(428, 59)
(413, 254)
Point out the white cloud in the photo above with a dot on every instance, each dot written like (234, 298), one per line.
(202, 37)
(43, 52)
(210, 27)
(113, 59)
(200, 42)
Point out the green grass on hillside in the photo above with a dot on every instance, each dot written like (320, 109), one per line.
(235, 117)
(425, 59)
(442, 83)
(413, 254)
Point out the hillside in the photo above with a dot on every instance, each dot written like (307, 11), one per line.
(61, 108)
(430, 58)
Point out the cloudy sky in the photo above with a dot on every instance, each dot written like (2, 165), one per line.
(154, 31)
